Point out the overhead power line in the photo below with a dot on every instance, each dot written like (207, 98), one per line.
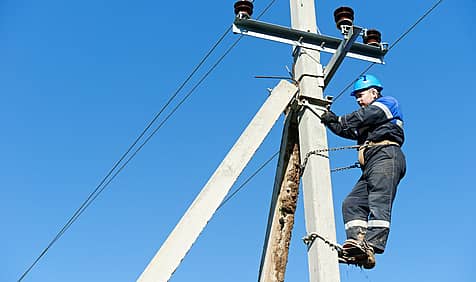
(93, 195)
(263, 165)
(437, 3)
(119, 165)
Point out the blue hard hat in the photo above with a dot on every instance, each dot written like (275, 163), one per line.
(365, 82)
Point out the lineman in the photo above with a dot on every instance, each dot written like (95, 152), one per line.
(378, 128)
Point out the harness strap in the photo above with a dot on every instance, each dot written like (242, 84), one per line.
(369, 144)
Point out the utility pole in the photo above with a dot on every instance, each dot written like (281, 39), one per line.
(316, 182)
(302, 102)
(317, 192)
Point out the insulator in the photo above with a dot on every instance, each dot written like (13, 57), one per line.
(243, 9)
(372, 37)
(343, 16)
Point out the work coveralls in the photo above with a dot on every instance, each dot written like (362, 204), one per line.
(367, 209)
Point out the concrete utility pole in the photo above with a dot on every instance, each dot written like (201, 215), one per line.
(323, 263)
(316, 182)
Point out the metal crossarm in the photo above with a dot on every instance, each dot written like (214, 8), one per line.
(306, 39)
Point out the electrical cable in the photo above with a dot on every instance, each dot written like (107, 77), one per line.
(248, 180)
(174, 110)
(118, 162)
(391, 46)
(103, 183)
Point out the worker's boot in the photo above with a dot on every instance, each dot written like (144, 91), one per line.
(357, 252)
(369, 262)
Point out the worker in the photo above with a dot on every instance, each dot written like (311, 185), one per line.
(378, 128)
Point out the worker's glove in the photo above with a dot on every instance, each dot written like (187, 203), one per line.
(329, 117)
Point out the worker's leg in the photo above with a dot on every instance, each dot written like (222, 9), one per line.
(355, 210)
(386, 169)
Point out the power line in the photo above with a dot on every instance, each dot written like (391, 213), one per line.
(176, 108)
(108, 178)
(98, 189)
(247, 180)
(391, 46)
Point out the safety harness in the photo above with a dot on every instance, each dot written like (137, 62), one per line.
(369, 144)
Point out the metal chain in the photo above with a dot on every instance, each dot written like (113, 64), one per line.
(319, 152)
(309, 239)
(337, 169)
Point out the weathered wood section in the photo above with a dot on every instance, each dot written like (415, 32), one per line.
(283, 206)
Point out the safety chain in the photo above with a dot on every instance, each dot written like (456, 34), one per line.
(311, 237)
(319, 152)
(356, 165)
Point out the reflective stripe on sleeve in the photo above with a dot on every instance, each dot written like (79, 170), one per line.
(384, 108)
(379, 223)
(356, 223)
(399, 123)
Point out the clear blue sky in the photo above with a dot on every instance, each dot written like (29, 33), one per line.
(79, 80)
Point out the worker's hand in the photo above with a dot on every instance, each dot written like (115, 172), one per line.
(329, 117)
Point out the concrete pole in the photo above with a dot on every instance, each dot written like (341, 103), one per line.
(317, 192)
(186, 232)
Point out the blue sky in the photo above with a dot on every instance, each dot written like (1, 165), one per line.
(79, 81)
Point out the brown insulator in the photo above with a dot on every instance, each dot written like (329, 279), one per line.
(344, 16)
(243, 9)
(372, 37)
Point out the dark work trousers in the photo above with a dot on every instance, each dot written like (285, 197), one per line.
(367, 209)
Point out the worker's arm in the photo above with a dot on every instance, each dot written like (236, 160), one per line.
(333, 122)
(348, 126)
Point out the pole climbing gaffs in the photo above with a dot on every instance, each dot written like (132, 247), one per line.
(302, 133)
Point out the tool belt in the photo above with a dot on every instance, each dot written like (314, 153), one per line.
(369, 144)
